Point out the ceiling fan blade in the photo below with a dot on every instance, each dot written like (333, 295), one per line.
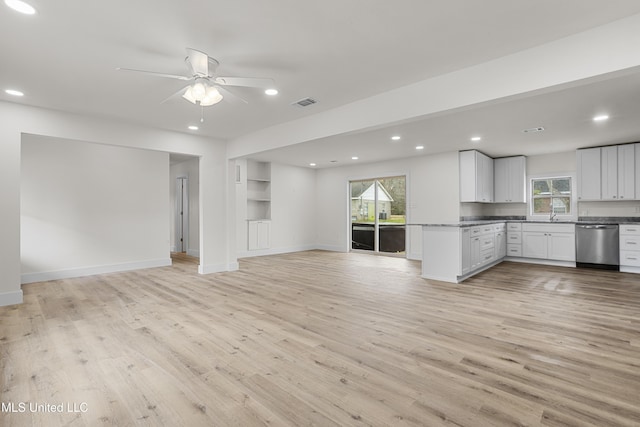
(263, 83)
(173, 95)
(153, 73)
(198, 62)
(230, 96)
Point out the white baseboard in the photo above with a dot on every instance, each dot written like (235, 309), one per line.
(213, 268)
(11, 298)
(90, 271)
(629, 269)
(542, 261)
(193, 252)
(276, 251)
(331, 248)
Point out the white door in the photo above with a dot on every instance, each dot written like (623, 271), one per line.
(182, 214)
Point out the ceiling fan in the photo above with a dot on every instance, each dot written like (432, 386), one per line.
(205, 88)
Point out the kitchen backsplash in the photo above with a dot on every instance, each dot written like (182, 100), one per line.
(608, 209)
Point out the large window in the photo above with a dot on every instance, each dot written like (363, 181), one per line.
(551, 196)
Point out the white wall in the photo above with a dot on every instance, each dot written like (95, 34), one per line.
(19, 119)
(432, 197)
(293, 210)
(555, 164)
(191, 170)
(91, 208)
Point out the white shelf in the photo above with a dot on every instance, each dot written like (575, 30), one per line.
(258, 190)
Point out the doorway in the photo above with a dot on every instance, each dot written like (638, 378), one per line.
(378, 215)
(182, 214)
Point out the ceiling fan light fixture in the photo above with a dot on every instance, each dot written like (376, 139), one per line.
(188, 95)
(212, 96)
(199, 91)
(20, 6)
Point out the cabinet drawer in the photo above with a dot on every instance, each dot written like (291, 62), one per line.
(486, 256)
(499, 227)
(514, 226)
(514, 250)
(630, 243)
(486, 229)
(630, 229)
(487, 242)
(514, 238)
(476, 231)
(630, 258)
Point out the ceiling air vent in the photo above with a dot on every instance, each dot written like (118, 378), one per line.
(305, 102)
(532, 130)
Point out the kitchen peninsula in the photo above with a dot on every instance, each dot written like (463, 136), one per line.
(454, 252)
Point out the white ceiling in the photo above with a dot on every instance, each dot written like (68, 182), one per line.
(65, 58)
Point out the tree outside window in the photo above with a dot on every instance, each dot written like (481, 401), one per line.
(551, 195)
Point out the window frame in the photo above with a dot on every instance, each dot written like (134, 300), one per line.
(571, 216)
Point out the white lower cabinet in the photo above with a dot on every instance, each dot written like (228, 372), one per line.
(455, 253)
(549, 241)
(630, 248)
(514, 239)
(259, 234)
(501, 241)
(481, 245)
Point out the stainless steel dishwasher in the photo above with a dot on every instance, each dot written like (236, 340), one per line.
(598, 246)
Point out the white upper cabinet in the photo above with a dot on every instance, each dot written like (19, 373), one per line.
(589, 181)
(607, 173)
(627, 172)
(510, 180)
(618, 172)
(476, 177)
(637, 172)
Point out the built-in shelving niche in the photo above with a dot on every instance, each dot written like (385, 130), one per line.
(258, 190)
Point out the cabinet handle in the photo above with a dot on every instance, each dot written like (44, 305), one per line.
(631, 243)
(632, 257)
(614, 197)
(622, 197)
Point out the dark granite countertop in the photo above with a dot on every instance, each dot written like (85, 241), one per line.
(464, 222)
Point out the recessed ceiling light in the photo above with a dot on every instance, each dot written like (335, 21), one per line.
(355, 158)
(271, 92)
(476, 138)
(14, 92)
(312, 164)
(395, 138)
(20, 6)
(601, 118)
(193, 127)
(420, 147)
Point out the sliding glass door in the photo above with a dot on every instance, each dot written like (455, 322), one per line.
(378, 215)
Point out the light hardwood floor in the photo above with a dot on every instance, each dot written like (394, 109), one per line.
(326, 339)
